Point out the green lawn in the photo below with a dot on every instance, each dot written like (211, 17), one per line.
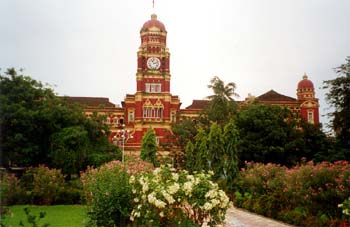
(56, 216)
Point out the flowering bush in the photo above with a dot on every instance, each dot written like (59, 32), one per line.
(43, 185)
(10, 190)
(305, 195)
(108, 193)
(169, 198)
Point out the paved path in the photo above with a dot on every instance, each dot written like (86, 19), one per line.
(240, 218)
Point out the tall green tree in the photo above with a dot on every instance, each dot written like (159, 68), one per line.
(339, 97)
(149, 147)
(230, 158)
(265, 133)
(216, 151)
(36, 127)
(190, 157)
(201, 150)
(222, 106)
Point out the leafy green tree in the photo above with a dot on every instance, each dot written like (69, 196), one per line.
(37, 127)
(216, 151)
(149, 147)
(339, 98)
(70, 149)
(230, 158)
(222, 106)
(190, 157)
(201, 150)
(265, 133)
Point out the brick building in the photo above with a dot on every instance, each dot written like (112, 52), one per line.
(153, 105)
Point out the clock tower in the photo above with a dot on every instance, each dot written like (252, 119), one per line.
(152, 106)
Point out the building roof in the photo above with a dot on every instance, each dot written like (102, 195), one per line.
(305, 83)
(89, 101)
(274, 96)
(153, 22)
(198, 104)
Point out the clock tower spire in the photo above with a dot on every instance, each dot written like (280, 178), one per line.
(152, 105)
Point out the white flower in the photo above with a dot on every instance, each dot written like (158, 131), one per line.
(188, 187)
(168, 197)
(173, 188)
(136, 200)
(132, 180)
(161, 214)
(151, 198)
(145, 187)
(207, 206)
(159, 203)
(175, 176)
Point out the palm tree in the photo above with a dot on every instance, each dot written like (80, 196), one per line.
(221, 90)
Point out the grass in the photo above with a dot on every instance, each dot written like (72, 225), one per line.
(56, 216)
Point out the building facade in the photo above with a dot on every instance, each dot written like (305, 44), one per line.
(153, 105)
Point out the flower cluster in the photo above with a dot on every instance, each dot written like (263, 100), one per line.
(345, 207)
(165, 197)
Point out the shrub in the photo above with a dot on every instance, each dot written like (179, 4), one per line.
(47, 184)
(108, 194)
(306, 195)
(11, 191)
(169, 198)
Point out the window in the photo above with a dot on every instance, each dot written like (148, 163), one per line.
(173, 116)
(153, 87)
(115, 120)
(108, 120)
(131, 116)
(147, 112)
(310, 116)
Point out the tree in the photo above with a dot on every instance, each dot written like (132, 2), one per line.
(231, 139)
(190, 157)
(338, 97)
(149, 147)
(216, 151)
(265, 134)
(201, 150)
(222, 105)
(37, 126)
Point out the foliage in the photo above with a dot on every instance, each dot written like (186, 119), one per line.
(345, 207)
(149, 147)
(10, 189)
(40, 128)
(339, 97)
(216, 151)
(169, 198)
(230, 157)
(272, 134)
(305, 195)
(108, 194)
(46, 185)
(201, 151)
(222, 106)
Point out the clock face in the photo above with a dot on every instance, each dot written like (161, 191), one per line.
(153, 63)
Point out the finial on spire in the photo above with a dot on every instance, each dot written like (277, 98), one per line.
(153, 4)
(305, 76)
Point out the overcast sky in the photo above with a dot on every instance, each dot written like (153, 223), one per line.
(88, 47)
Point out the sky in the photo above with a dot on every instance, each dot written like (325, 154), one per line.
(89, 47)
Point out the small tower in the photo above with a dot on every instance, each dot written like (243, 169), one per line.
(309, 107)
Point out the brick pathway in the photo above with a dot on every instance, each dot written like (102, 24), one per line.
(240, 218)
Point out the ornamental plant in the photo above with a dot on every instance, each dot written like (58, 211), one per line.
(107, 192)
(166, 197)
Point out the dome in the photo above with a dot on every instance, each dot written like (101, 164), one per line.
(305, 83)
(153, 22)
